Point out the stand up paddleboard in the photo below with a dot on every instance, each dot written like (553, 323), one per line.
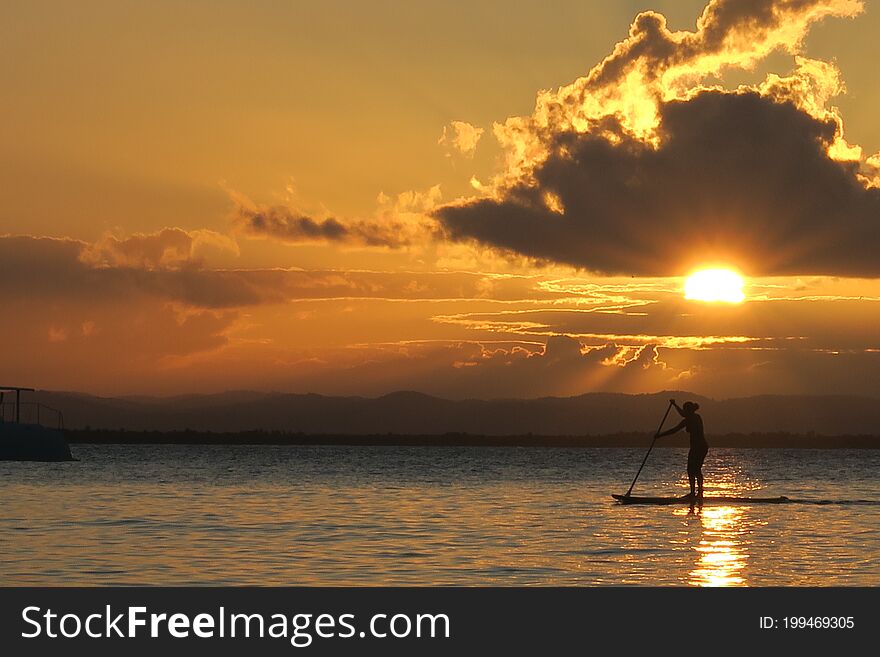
(705, 501)
(690, 500)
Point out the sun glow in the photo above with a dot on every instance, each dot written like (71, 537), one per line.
(722, 285)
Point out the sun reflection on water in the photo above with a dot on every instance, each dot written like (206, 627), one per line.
(722, 556)
(722, 551)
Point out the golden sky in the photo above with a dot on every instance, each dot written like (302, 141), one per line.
(459, 198)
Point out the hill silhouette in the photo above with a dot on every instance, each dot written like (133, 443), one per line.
(414, 413)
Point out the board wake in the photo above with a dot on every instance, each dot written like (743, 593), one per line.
(706, 501)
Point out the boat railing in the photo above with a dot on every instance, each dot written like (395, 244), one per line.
(32, 413)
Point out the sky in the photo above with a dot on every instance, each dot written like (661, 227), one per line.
(468, 199)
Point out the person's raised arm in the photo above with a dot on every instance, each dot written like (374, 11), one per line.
(677, 407)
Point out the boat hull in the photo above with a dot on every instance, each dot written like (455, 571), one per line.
(31, 442)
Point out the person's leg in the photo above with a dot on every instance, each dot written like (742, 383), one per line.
(692, 469)
(700, 472)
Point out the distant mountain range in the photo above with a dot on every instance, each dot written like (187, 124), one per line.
(419, 414)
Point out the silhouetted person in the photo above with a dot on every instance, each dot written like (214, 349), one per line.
(693, 424)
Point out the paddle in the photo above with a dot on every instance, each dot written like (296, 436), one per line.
(645, 460)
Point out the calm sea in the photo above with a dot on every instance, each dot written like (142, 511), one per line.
(431, 516)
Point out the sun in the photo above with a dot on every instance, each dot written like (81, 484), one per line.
(723, 285)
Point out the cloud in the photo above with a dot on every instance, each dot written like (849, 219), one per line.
(401, 222)
(164, 265)
(729, 33)
(562, 366)
(99, 326)
(639, 169)
(169, 248)
(824, 314)
(461, 137)
(168, 265)
(739, 373)
(654, 65)
(287, 225)
(738, 178)
(820, 324)
(125, 344)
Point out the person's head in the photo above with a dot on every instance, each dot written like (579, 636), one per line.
(690, 408)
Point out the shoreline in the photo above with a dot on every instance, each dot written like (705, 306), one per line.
(733, 440)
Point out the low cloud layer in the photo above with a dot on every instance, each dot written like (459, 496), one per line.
(168, 265)
(110, 328)
(168, 249)
(639, 169)
(561, 367)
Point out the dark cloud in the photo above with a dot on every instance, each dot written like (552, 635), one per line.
(737, 178)
(283, 224)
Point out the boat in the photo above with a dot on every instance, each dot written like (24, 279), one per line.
(32, 436)
(705, 501)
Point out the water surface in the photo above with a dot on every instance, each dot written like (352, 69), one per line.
(274, 515)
